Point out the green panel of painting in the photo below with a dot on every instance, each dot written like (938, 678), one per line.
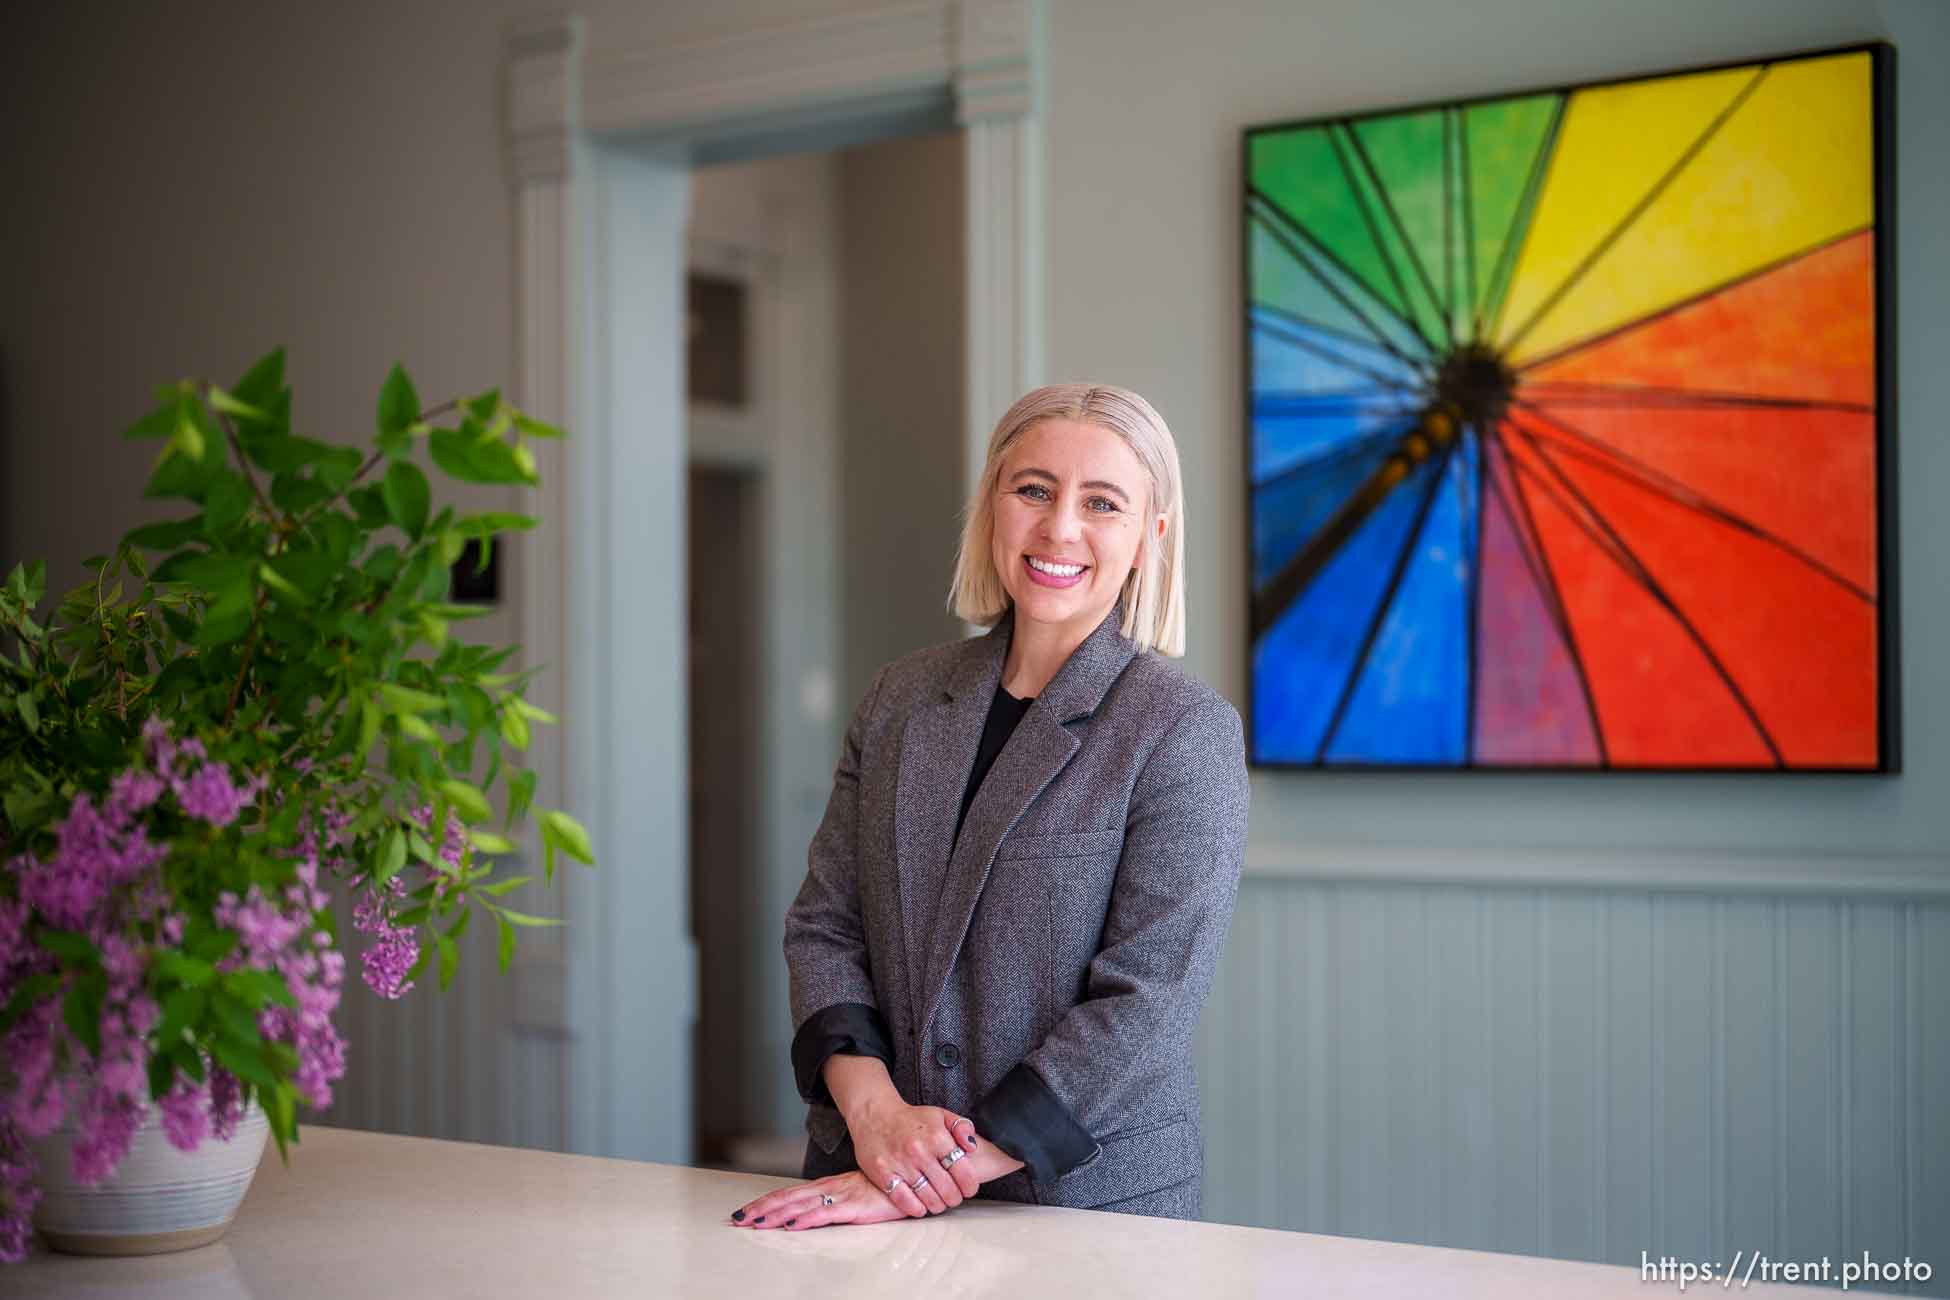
(1505, 140)
(1301, 171)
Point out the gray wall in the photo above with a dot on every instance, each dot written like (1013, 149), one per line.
(901, 310)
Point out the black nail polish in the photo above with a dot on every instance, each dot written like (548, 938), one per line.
(737, 1216)
(971, 1139)
(759, 1219)
(790, 1222)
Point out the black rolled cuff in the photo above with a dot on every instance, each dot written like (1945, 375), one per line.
(1023, 1117)
(851, 1027)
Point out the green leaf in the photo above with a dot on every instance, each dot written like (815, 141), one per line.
(162, 1074)
(369, 503)
(408, 497)
(416, 727)
(165, 536)
(211, 945)
(244, 1062)
(495, 889)
(159, 423)
(231, 405)
(514, 728)
(569, 832)
(188, 1059)
(367, 725)
(188, 971)
(521, 793)
(489, 842)
(82, 1010)
(529, 711)
(392, 858)
(263, 381)
(286, 453)
(224, 504)
(467, 800)
(254, 988)
(484, 406)
(187, 437)
(69, 946)
(399, 405)
(182, 1010)
(449, 959)
(281, 585)
(281, 1111)
(522, 918)
(505, 948)
(30, 991)
(405, 699)
(234, 1018)
(535, 428)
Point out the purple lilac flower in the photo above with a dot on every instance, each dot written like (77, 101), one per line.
(186, 1114)
(394, 950)
(19, 1194)
(103, 879)
(226, 1104)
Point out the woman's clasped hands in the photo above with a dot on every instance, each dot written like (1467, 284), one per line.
(912, 1163)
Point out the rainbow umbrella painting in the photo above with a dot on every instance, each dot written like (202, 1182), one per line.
(1567, 444)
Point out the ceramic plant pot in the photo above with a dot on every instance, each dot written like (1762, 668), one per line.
(159, 1200)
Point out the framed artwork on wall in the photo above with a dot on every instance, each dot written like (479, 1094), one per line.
(1570, 427)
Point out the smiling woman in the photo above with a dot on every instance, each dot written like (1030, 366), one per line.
(1014, 906)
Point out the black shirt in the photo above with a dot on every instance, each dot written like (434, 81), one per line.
(1005, 711)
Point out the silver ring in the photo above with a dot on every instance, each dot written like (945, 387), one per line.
(894, 1182)
(825, 1200)
(948, 1161)
(920, 1182)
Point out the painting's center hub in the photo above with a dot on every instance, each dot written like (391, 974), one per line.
(1476, 385)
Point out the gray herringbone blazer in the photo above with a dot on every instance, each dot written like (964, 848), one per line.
(1045, 976)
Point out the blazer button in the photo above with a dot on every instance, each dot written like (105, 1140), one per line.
(947, 1056)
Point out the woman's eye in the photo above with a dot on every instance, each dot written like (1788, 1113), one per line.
(1103, 505)
(1033, 492)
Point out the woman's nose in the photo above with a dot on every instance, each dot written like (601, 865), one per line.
(1062, 526)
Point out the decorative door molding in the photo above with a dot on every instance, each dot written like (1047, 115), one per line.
(648, 91)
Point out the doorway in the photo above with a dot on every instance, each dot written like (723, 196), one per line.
(724, 655)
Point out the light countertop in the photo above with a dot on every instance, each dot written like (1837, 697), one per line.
(375, 1216)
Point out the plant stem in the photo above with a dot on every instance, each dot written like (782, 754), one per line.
(243, 462)
(243, 669)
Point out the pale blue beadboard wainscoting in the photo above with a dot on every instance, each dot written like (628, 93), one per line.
(1586, 1071)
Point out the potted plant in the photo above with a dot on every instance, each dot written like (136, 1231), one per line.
(239, 710)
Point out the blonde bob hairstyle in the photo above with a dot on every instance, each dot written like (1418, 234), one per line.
(1154, 594)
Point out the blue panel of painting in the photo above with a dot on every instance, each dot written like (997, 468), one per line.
(1289, 508)
(1303, 661)
(1290, 356)
(1411, 703)
(1290, 431)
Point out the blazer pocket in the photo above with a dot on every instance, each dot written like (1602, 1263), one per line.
(1060, 844)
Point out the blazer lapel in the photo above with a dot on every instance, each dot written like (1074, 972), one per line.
(1036, 752)
(937, 752)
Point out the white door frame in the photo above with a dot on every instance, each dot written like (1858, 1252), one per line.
(599, 141)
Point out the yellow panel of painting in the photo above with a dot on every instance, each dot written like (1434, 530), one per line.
(1615, 143)
(1791, 168)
